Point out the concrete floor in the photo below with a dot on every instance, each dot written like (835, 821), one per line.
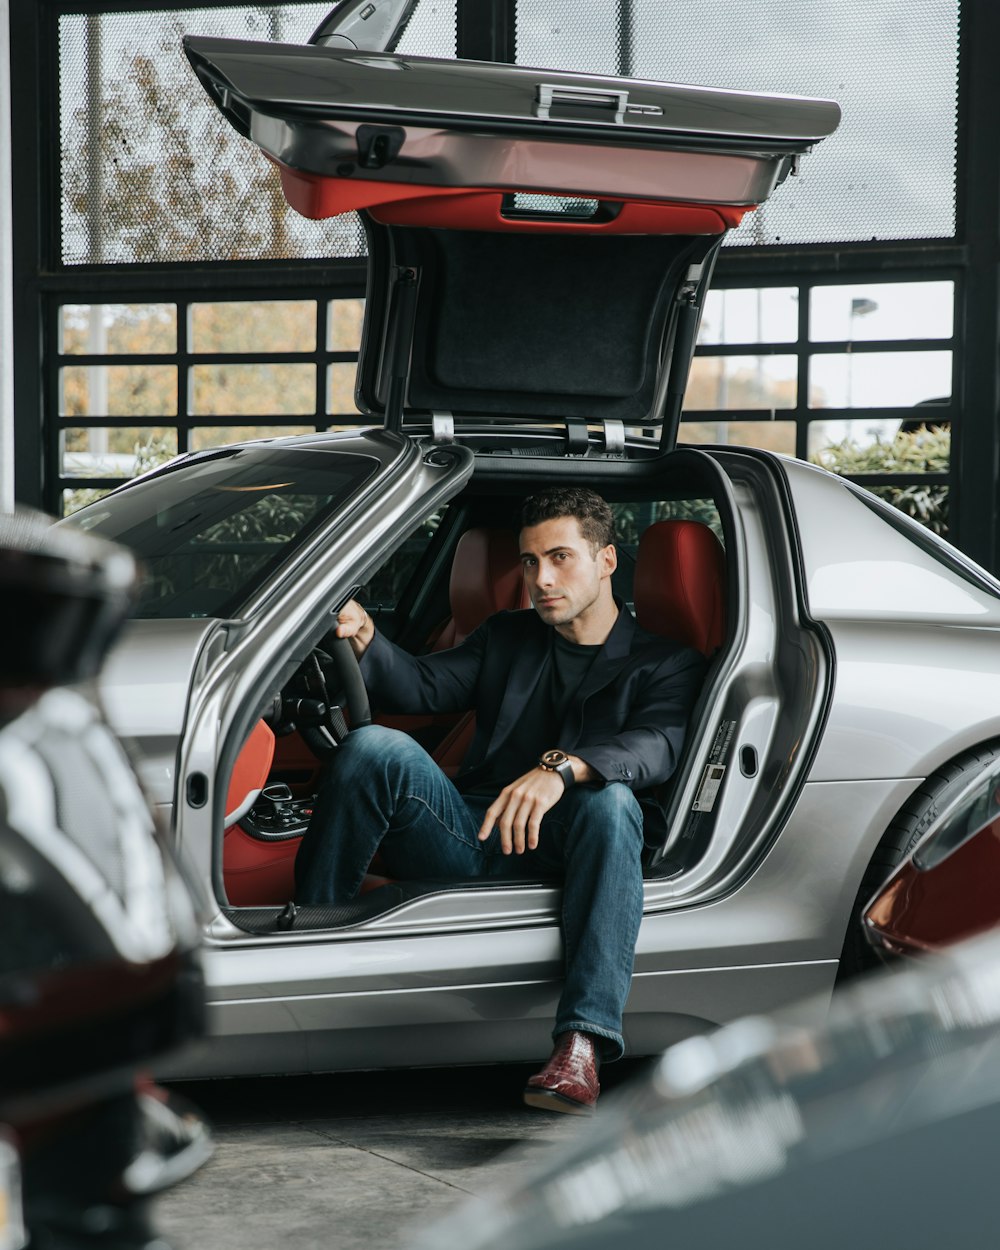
(354, 1160)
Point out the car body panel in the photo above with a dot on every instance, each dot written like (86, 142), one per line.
(480, 124)
(942, 684)
(857, 568)
(147, 698)
(472, 982)
(914, 627)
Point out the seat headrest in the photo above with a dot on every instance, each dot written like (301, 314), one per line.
(679, 589)
(486, 577)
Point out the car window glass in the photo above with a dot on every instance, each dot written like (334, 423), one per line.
(209, 531)
(383, 589)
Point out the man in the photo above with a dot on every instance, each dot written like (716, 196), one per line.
(579, 716)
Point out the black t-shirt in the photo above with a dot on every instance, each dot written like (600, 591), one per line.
(566, 665)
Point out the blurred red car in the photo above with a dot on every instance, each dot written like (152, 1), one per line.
(948, 887)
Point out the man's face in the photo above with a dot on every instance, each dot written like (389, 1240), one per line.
(565, 577)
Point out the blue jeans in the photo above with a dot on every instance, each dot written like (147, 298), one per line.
(383, 792)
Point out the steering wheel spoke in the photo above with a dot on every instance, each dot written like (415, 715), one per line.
(320, 718)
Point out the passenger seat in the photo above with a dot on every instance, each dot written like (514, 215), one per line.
(680, 584)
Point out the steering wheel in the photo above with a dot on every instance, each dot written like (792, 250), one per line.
(324, 737)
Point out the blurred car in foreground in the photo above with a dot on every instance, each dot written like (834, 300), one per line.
(948, 887)
(99, 974)
(540, 245)
(876, 1130)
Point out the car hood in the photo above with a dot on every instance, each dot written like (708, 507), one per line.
(540, 242)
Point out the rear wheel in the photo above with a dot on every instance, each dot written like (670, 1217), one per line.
(910, 824)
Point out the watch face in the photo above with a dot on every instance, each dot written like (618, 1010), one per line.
(552, 759)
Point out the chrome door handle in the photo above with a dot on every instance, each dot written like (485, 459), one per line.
(550, 96)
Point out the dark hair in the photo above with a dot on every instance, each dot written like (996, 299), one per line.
(596, 521)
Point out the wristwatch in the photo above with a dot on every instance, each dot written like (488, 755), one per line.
(558, 762)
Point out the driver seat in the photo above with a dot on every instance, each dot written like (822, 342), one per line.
(486, 577)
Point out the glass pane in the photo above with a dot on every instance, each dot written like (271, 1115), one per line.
(98, 329)
(878, 379)
(889, 170)
(253, 390)
(74, 500)
(768, 435)
(340, 388)
(208, 532)
(867, 446)
(222, 435)
(118, 391)
(720, 382)
(253, 326)
(385, 586)
(926, 504)
(865, 311)
(758, 315)
(431, 30)
(117, 452)
(345, 319)
(177, 183)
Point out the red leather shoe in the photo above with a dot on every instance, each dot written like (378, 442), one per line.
(568, 1082)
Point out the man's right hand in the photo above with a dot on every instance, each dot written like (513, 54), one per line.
(354, 622)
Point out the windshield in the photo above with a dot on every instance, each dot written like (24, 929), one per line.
(210, 530)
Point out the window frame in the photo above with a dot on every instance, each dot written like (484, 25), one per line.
(486, 29)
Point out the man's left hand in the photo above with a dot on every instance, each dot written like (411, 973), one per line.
(518, 809)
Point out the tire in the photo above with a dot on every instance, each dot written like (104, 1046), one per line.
(907, 828)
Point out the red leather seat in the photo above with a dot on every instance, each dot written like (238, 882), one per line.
(486, 577)
(680, 584)
(254, 872)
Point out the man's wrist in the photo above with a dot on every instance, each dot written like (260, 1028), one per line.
(556, 761)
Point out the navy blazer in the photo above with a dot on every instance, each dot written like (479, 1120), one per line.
(627, 720)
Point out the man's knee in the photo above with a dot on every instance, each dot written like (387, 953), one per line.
(614, 802)
(610, 811)
(375, 747)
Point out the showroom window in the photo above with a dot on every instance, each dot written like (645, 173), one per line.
(892, 65)
(855, 376)
(138, 383)
(184, 305)
(150, 171)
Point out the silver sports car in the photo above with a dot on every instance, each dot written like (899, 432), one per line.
(540, 247)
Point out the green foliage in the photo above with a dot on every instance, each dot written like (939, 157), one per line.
(272, 518)
(924, 450)
(632, 518)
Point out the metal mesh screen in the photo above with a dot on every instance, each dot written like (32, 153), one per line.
(892, 65)
(151, 172)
